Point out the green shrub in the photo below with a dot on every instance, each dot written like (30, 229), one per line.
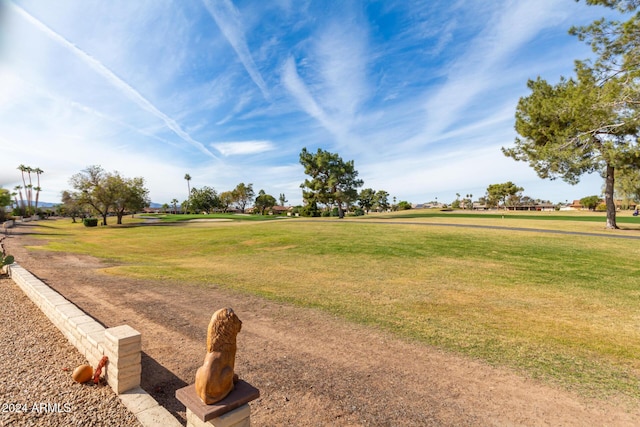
(90, 222)
(6, 260)
(309, 210)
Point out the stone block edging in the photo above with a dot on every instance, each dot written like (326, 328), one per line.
(121, 344)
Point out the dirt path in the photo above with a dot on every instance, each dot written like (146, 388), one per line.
(312, 369)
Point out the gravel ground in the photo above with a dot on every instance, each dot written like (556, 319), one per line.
(36, 362)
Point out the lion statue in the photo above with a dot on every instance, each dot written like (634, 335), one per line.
(215, 378)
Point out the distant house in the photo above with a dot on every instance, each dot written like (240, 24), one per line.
(150, 210)
(432, 205)
(620, 204)
(281, 210)
(626, 204)
(576, 206)
(533, 207)
(517, 208)
(275, 210)
(545, 207)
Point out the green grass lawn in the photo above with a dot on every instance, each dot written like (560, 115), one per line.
(564, 308)
(230, 216)
(580, 216)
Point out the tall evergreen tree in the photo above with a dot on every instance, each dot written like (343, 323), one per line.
(333, 181)
(589, 123)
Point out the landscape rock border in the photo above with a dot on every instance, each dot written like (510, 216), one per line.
(121, 344)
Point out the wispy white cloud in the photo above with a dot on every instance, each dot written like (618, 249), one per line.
(300, 92)
(228, 20)
(243, 147)
(341, 56)
(477, 69)
(117, 82)
(331, 82)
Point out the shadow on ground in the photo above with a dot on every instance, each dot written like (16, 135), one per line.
(162, 384)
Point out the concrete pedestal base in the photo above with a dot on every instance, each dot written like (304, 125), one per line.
(232, 411)
(240, 417)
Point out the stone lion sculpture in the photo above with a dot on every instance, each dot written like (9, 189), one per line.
(215, 378)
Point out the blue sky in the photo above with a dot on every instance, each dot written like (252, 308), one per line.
(420, 94)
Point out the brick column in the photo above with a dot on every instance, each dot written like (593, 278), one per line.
(123, 347)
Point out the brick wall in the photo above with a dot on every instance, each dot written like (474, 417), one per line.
(121, 344)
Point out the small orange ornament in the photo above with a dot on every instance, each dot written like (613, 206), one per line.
(82, 374)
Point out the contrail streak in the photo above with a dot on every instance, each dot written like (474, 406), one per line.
(227, 19)
(112, 78)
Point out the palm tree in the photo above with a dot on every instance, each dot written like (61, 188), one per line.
(188, 178)
(38, 189)
(27, 194)
(38, 172)
(18, 188)
(22, 168)
(175, 202)
(15, 197)
(29, 189)
(470, 200)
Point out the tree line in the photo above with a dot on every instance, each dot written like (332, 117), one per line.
(331, 189)
(208, 200)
